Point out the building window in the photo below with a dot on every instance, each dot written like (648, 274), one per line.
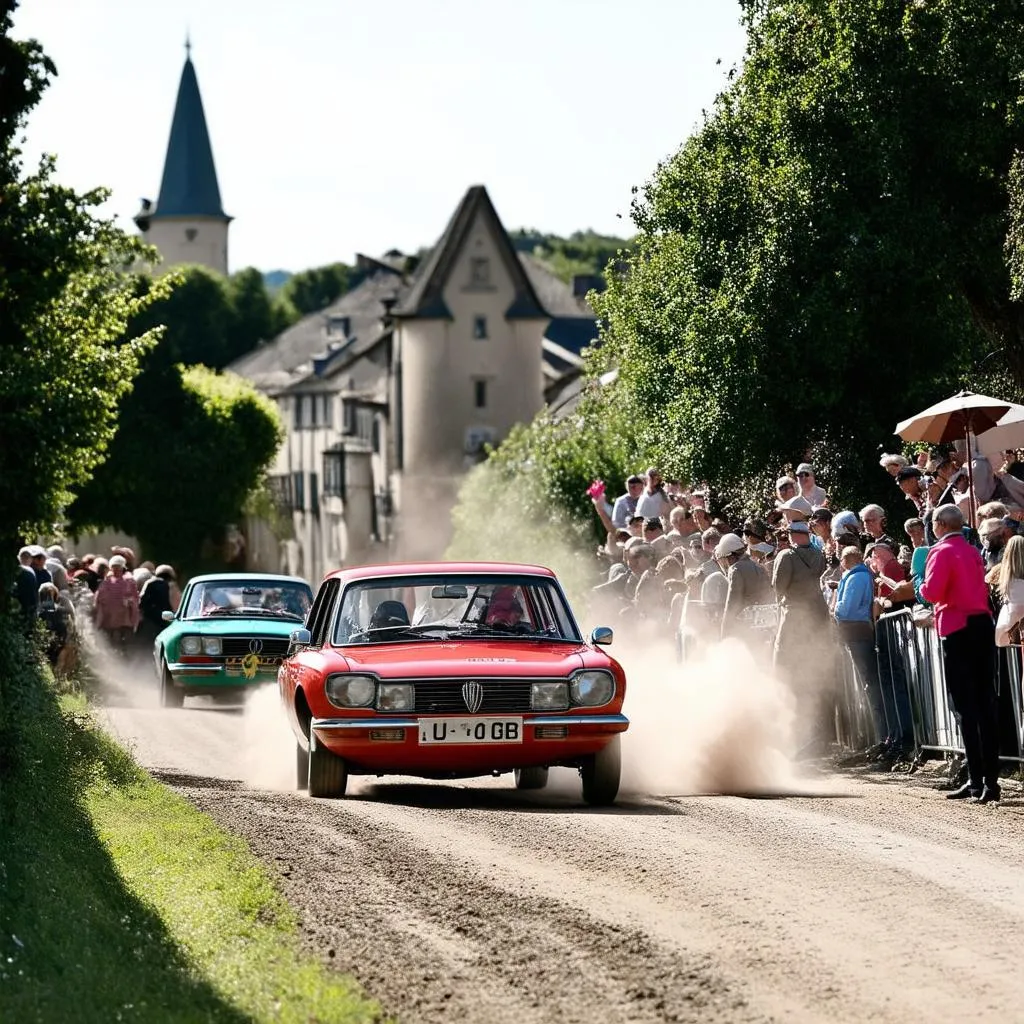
(479, 272)
(281, 491)
(299, 491)
(314, 494)
(479, 327)
(301, 411)
(325, 418)
(334, 474)
(480, 394)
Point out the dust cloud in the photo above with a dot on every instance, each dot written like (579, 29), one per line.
(718, 723)
(268, 747)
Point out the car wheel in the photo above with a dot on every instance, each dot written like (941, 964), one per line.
(531, 778)
(600, 774)
(301, 766)
(328, 775)
(170, 695)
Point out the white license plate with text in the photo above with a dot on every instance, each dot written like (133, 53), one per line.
(471, 730)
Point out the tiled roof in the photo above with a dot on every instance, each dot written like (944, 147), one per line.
(290, 356)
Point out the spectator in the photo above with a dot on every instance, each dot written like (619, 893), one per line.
(635, 525)
(117, 604)
(809, 489)
(755, 531)
(57, 613)
(625, 505)
(127, 554)
(910, 483)
(955, 584)
(682, 525)
(855, 596)
(802, 609)
(785, 488)
(653, 501)
(37, 563)
(155, 599)
(993, 535)
(914, 529)
(1011, 590)
(846, 522)
(26, 593)
(715, 585)
(873, 518)
(892, 464)
(654, 534)
(746, 582)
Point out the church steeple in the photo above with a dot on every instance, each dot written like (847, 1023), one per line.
(188, 223)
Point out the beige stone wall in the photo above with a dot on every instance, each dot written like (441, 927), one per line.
(207, 246)
(442, 361)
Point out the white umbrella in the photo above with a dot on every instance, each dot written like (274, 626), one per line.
(1007, 433)
(949, 420)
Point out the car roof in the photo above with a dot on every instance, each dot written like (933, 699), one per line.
(364, 572)
(242, 577)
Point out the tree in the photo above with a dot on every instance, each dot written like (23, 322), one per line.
(190, 447)
(583, 252)
(826, 255)
(65, 305)
(312, 290)
(257, 317)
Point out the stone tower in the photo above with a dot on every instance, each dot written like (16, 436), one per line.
(187, 223)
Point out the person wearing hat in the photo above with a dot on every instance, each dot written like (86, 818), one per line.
(755, 531)
(746, 582)
(117, 604)
(803, 614)
(808, 488)
(910, 481)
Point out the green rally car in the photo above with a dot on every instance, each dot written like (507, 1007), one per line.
(229, 633)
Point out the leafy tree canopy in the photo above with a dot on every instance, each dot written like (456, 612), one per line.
(190, 447)
(313, 289)
(583, 252)
(828, 253)
(65, 306)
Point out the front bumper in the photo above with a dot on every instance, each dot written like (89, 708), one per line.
(351, 739)
(189, 675)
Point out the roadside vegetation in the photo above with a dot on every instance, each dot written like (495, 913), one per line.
(121, 901)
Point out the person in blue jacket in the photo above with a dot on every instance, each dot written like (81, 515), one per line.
(855, 598)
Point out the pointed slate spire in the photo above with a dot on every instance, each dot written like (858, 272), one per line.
(189, 185)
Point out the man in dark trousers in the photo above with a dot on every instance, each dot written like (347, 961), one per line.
(954, 583)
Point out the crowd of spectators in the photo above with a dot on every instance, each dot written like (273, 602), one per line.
(803, 581)
(122, 601)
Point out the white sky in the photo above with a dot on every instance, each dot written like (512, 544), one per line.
(341, 126)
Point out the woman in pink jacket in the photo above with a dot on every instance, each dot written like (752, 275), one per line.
(117, 605)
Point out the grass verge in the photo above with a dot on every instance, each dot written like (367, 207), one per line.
(120, 901)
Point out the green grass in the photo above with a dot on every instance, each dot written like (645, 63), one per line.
(119, 901)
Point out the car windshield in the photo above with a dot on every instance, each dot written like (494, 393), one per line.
(265, 599)
(443, 607)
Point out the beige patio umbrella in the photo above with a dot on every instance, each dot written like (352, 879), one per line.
(1007, 433)
(954, 418)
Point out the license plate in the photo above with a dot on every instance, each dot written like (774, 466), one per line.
(471, 730)
(247, 668)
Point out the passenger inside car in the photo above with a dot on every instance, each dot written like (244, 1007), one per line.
(505, 611)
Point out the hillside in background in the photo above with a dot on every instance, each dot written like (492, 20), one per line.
(583, 252)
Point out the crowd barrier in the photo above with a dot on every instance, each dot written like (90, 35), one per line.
(909, 655)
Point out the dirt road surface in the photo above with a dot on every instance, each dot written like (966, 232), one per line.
(858, 900)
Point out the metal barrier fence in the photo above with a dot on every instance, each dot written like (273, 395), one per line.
(911, 676)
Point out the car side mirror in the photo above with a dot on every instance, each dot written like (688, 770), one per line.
(301, 638)
(602, 635)
(167, 616)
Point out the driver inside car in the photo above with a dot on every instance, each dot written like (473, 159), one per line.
(505, 611)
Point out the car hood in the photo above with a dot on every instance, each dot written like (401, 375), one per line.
(237, 625)
(466, 658)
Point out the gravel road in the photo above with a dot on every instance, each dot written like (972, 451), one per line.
(862, 899)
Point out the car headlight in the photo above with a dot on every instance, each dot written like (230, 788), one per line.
(591, 689)
(395, 697)
(351, 691)
(211, 645)
(191, 644)
(549, 696)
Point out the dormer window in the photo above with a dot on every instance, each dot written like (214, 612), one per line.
(479, 272)
(338, 327)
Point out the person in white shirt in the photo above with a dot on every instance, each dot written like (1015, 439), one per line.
(653, 500)
(808, 488)
(625, 504)
(1011, 590)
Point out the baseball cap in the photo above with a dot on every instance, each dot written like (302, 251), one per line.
(654, 523)
(116, 560)
(804, 467)
(908, 473)
(799, 527)
(798, 504)
(730, 544)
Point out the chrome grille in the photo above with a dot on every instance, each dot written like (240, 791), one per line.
(238, 646)
(444, 696)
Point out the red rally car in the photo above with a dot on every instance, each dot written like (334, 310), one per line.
(451, 670)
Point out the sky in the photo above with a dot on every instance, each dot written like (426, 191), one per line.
(341, 127)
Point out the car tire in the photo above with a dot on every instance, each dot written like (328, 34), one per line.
(328, 775)
(171, 696)
(301, 766)
(600, 774)
(531, 778)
